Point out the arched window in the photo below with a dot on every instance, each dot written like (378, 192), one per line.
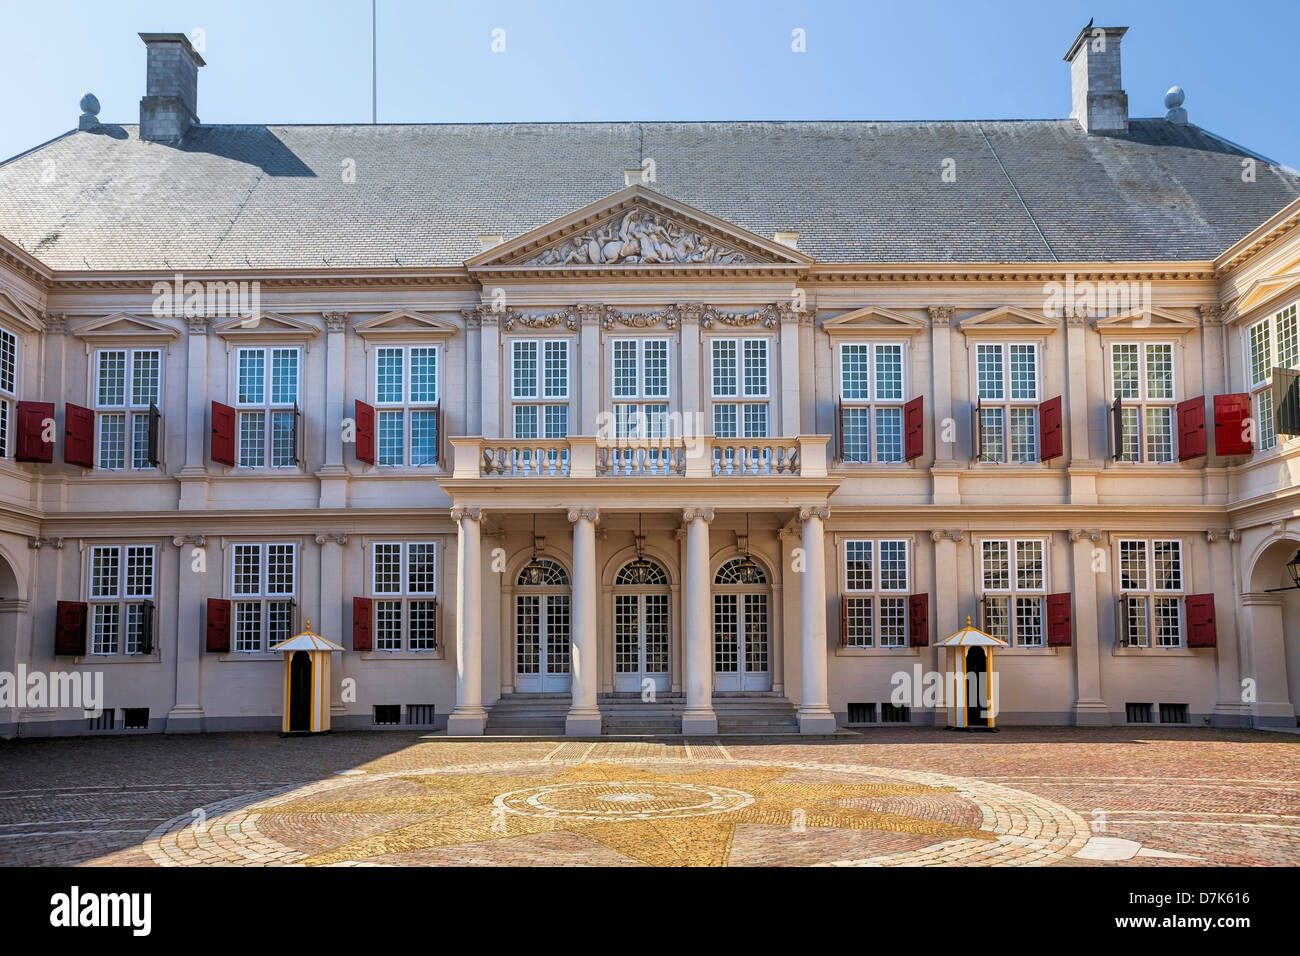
(740, 571)
(543, 572)
(641, 571)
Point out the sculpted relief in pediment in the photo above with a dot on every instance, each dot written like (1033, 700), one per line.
(640, 236)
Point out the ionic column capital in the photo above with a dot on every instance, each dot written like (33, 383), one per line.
(814, 511)
(336, 537)
(584, 514)
(697, 514)
(459, 514)
(1078, 534)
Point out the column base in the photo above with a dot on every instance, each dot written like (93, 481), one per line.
(184, 720)
(467, 723)
(700, 723)
(582, 723)
(1091, 713)
(817, 722)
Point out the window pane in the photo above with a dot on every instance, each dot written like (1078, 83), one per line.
(526, 421)
(390, 428)
(893, 622)
(627, 421)
(248, 626)
(112, 378)
(1169, 631)
(889, 372)
(103, 631)
(252, 376)
(853, 371)
(557, 420)
(1160, 434)
(1024, 372)
(726, 421)
(1029, 622)
(1288, 339)
(388, 625)
(1024, 434)
(279, 622)
(8, 361)
(388, 569)
(1132, 435)
(525, 369)
(1261, 357)
(1124, 370)
(858, 622)
(1137, 622)
(284, 376)
(1029, 565)
(625, 376)
(252, 439)
(1264, 419)
(997, 565)
(991, 438)
(756, 421)
(282, 450)
(144, 378)
(424, 437)
(889, 434)
(104, 572)
(1133, 565)
(893, 565)
(134, 628)
(139, 571)
(423, 622)
(656, 368)
(996, 618)
(656, 421)
(112, 441)
(424, 375)
(1167, 564)
(388, 376)
(279, 568)
(988, 370)
(857, 434)
(419, 569)
(246, 578)
(755, 366)
(857, 565)
(140, 441)
(1160, 371)
(724, 367)
(557, 369)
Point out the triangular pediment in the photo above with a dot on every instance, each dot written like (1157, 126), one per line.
(1008, 319)
(1146, 322)
(19, 311)
(1271, 289)
(874, 320)
(266, 325)
(122, 326)
(638, 230)
(404, 324)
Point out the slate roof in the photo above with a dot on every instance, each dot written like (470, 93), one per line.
(235, 197)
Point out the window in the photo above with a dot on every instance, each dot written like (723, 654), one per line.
(540, 387)
(739, 371)
(8, 386)
(267, 407)
(263, 578)
(1006, 377)
(121, 599)
(1273, 343)
(1014, 586)
(875, 593)
(871, 401)
(640, 388)
(127, 383)
(1151, 585)
(1142, 378)
(406, 405)
(405, 583)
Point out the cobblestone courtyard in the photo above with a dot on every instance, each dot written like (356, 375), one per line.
(1109, 797)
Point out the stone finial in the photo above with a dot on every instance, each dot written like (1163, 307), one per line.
(89, 113)
(1174, 104)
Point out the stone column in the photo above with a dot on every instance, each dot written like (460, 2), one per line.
(490, 373)
(473, 362)
(691, 391)
(790, 355)
(941, 365)
(1082, 468)
(589, 366)
(584, 714)
(330, 547)
(186, 715)
(698, 717)
(1263, 615)
(193, 476)
(468, 718)
(333, 476)
(815, 715)
(1229, 710)
(1089, 708)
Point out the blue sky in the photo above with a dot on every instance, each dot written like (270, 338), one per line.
(277, 61)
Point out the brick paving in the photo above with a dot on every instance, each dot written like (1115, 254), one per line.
(1027, 796)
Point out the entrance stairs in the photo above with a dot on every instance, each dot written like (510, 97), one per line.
(626, 714)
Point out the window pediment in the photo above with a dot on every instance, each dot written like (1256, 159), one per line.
(874, 320)
(1270, 291)
(406, 325)
(14, 308)
(266, 325)
(1146, 322)
(1008, 320)
(126, 329)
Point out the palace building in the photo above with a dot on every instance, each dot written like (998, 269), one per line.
(649, 427)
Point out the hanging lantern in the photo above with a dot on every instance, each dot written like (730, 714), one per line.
(747, 571)
(1293, 569)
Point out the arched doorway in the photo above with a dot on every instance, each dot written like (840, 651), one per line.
(300, 693)
(1272, 611)
(642, 634)
(742, 627)
(542, 628)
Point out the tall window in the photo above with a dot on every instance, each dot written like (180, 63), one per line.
(640, 388)
(8, 386)
(539, 377)
(871, 401)
(406, 405)
(1014, 586)
(263, 586)
(127, 383)
(1142, 378)
(740, 387)
(121, 598)
(1273, 343)
(406, 610)
(1007, 390)
(267, 404)
(1151, 585)
(875, 593)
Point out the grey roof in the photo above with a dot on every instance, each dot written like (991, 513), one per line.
(234, 197)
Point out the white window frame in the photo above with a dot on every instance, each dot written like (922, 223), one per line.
(266, 407)
(1143, 402)
(10, 357)
(541, 397)
(742, 400)
(406, 407)
(1149, 594)
(1004, 407)
(1275, 356)
(126, 601)
(1015, 592)
(872, 597)
(131, 410)
(264, 598)
(404, 598)
(642, 422)
(875, 406)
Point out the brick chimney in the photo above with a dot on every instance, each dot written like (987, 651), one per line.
(171, 101)
(1098, 100)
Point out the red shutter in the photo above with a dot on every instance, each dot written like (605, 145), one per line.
(362, 623)
(1051, 435)
(918, 620)
(844, 621)
(839, 414)
(32, 445)
(913, 428)
(78, 436)
(218, 626)
(1200, 620)
(70, 629)
(1059, 625)
(1230, 414)
(223, 434)
(365, 418)
(1191, 429)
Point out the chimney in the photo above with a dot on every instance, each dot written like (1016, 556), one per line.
(171, 97)
(1098, 100)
